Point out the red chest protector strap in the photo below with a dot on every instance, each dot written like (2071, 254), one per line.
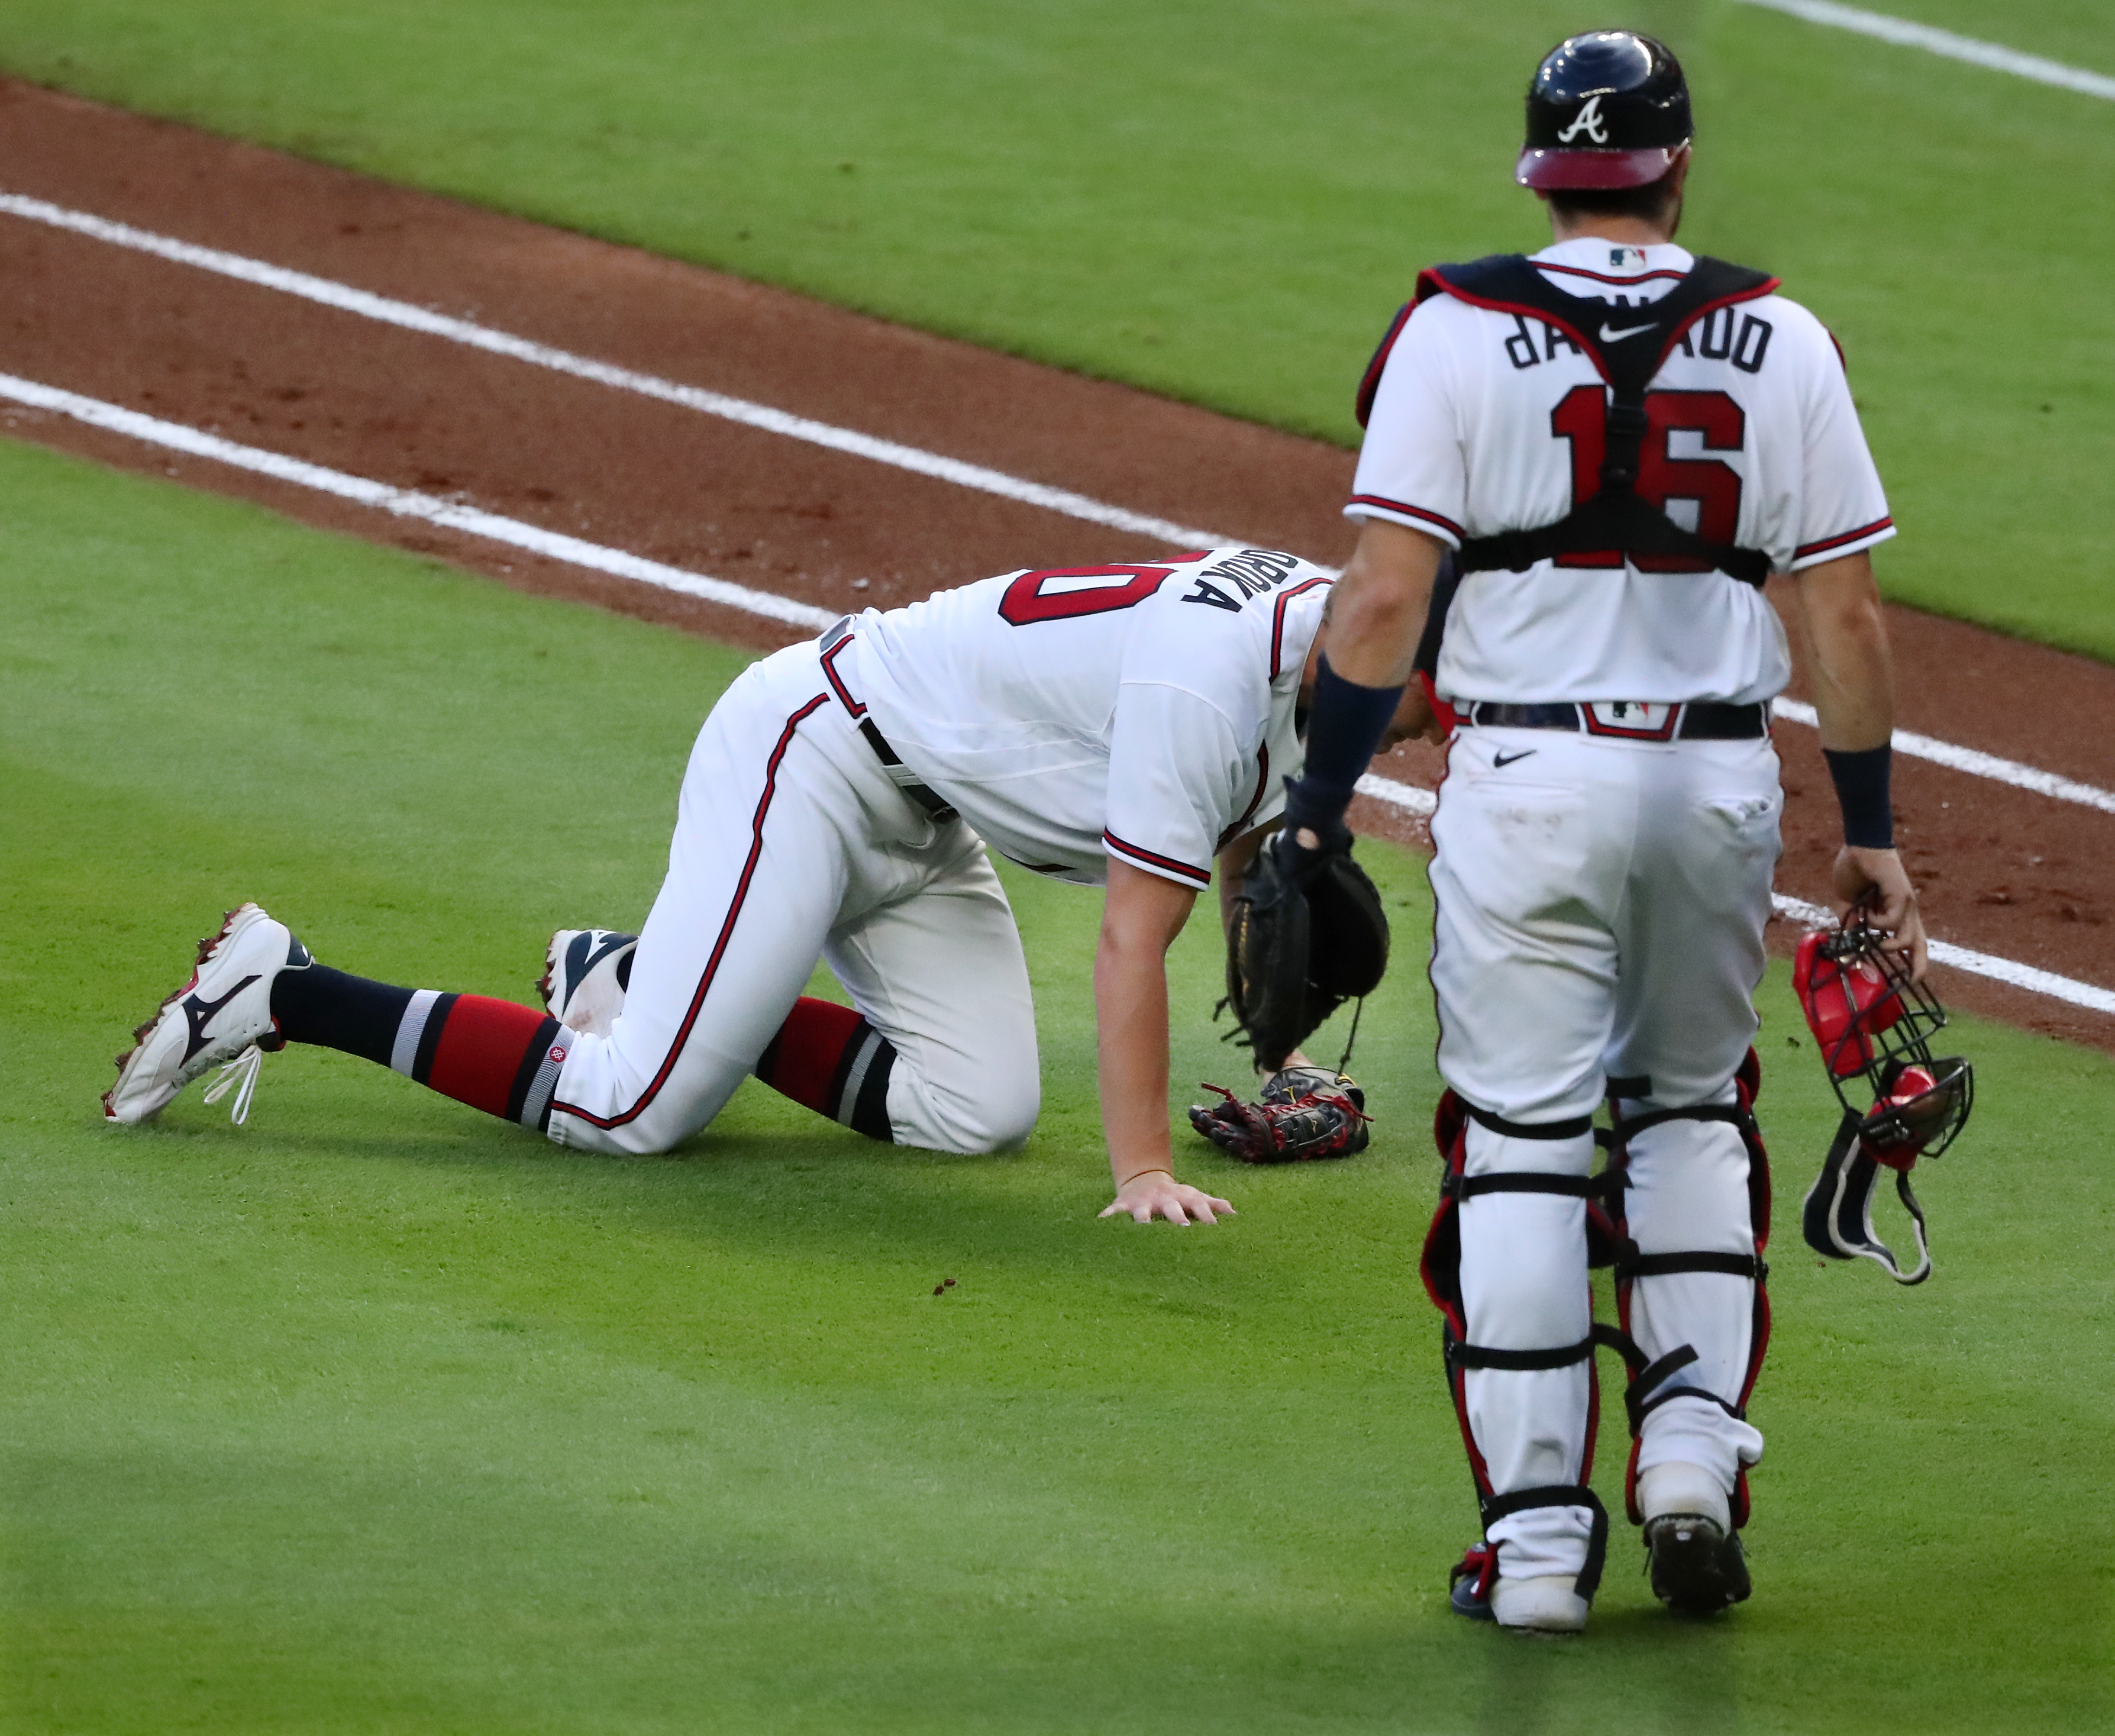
(1615, 518)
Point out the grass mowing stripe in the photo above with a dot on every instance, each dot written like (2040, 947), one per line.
(1932, 40)
(368, 305)
(409, 503)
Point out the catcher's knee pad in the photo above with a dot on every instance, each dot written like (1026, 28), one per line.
(1649, 1387)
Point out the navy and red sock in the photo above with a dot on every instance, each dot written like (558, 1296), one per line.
(504, 1058)
(829, 1058)
(492, 1054)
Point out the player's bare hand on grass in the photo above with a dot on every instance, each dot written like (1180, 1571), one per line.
(1156, 1193)
(1876, 881)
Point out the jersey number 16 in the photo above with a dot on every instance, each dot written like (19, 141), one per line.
(1581, 419)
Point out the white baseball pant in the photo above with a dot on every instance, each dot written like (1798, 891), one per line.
(1599, 911)
(793, 845)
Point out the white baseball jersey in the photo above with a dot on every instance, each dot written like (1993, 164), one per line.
(1143, 711)
(1485, 422)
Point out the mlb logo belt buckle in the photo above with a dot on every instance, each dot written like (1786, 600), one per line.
(1635, 720)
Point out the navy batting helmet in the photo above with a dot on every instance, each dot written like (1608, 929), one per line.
(1608, 108)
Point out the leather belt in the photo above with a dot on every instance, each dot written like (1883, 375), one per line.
(924, 794)
(831, 639)
(1697, 720)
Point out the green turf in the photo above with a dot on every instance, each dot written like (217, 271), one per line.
(1225, 201)
(380, 1415)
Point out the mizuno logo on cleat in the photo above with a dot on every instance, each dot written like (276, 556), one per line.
(197, 1014)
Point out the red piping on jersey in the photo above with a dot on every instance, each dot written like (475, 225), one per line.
(725, 934)
(1805, 549)
(1202, 876)
(830, 669)
(1278, 629)
(1404, 508)
(1370, 383)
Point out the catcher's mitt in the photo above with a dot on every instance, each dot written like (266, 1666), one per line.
(1300, 946)
(1304, 1113)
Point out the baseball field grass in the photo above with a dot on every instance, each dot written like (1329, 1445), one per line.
(1226, 201)
(377, 1415)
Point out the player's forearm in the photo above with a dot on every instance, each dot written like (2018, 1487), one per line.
(1853, 681)
(1131, 1005)
(1142, 915)
(1377, 610)
(1376, 615)
(1850, 671)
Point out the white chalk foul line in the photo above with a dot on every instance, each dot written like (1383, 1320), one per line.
(452, 515)
(1994, 56)
(1409, 799)
(1972, 761)
(368, 304)
(407, 504)
(404, 315)
(1965, 958)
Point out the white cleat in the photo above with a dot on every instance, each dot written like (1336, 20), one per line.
(222, 1018)
(586, 972)
(1551, 1604)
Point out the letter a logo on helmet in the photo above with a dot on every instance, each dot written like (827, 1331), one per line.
(1609, 108)
(1588, 122)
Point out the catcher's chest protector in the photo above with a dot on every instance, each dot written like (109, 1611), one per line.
(1651, 1384)
(1614, 520)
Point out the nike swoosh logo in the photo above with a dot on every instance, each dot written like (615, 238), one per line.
(1500, 761)
(1609, 334)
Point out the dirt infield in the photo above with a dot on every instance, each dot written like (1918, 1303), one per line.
(2005, 871)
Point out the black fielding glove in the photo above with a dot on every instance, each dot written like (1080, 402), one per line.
(1297, 863)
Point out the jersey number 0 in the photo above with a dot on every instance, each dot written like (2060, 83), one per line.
(1065, 593)
(1581, 419)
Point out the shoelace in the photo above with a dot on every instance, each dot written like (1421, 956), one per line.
(241, 1074)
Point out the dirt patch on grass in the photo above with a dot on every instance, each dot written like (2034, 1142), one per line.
(2005, 871)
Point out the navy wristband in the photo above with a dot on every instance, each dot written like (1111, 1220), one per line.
(1861, 791)
(1344, 726)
